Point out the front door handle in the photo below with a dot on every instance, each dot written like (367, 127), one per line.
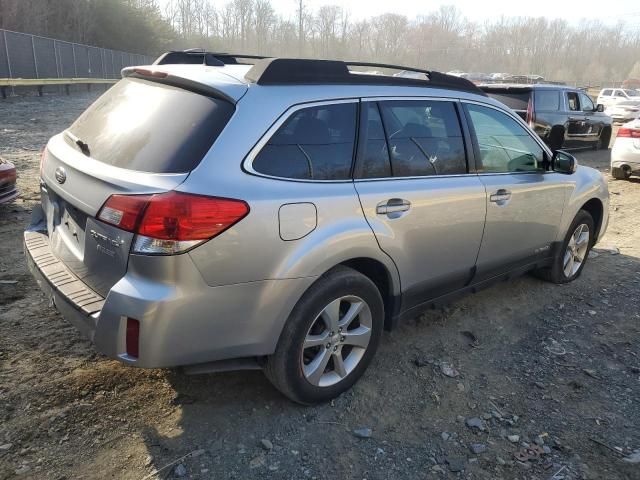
(501, 195)
(393, 205)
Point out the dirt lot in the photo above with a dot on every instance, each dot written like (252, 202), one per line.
(557, 366)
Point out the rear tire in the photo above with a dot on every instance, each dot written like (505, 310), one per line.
(620, 173)
(572, 255)
(556, 138)
(329, 339)
(605, 139)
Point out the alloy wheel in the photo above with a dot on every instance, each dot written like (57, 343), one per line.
(336, 341)
(576, 251)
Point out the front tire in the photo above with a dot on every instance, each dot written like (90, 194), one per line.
(329, 339)
(572, 256)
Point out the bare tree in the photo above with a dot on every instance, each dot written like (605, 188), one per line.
(586, 52)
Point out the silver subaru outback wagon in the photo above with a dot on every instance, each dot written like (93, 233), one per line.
(281, 214)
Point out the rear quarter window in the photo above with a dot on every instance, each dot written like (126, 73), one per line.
(150, 127)
(548, 100)
(314, 143)
(513, 100)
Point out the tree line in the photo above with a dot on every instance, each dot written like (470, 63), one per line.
(135, 26)
(586, 51)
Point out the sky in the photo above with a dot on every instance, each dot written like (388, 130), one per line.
(480, 10)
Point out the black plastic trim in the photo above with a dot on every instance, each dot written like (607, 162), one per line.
(439, 301)
(293, 71)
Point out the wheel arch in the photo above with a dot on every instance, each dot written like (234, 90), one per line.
(605, 134)
(380, 275)
(596, 209)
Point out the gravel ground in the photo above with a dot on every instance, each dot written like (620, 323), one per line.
(455, 393)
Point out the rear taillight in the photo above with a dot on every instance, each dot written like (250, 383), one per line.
(530, 115)
(124, 211)
(629, 132)
(133, 338)
(8, 175)
(171, 222)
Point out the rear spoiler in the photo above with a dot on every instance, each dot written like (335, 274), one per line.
(198, 56)
(165, 78)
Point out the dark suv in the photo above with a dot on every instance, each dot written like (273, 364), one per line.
(561, 116)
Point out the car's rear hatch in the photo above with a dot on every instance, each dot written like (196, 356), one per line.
(140, 137)
(517, 99)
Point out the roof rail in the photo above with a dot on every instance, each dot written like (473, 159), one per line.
(290, 71)
(199, 56)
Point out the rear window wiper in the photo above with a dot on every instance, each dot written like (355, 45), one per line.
(83, 146)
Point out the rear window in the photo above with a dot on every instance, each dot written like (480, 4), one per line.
(513, 100)
(548, 100)
(150, 127)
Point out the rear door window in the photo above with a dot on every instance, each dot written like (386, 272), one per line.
(314, 143)
(423, 138)
(547, 100)
(606, 93)
(374, 154)
(150, 127)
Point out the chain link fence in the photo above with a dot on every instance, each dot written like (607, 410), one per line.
(29, 56)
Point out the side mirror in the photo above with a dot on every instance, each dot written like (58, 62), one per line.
(563, 162)
(600, 108)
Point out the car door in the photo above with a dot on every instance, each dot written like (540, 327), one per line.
(524, 200)
(576, 122)
(605, 97)
(593, 123)
(426, 210)
(619, 96)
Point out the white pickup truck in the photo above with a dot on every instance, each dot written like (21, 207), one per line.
(613, 96)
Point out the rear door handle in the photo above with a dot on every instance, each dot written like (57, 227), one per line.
(393, 205)
(501, 195)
